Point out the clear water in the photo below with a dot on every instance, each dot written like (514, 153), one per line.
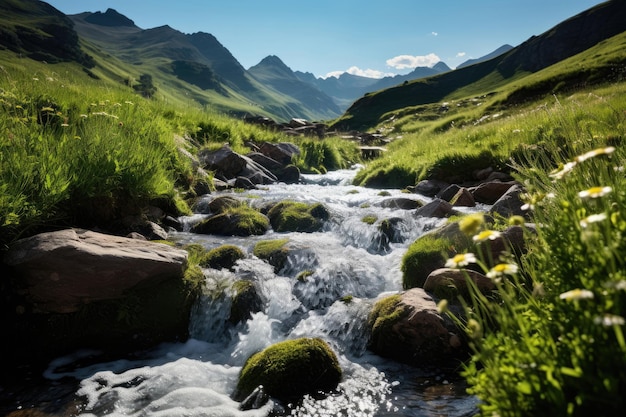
(197, 378)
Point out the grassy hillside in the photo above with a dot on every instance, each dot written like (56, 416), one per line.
(82, 149)
(498, 75)
(487, 122)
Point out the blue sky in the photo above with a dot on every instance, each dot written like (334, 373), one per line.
(328, 37)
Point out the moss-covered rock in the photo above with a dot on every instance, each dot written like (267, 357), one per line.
(293, 216)
(423, 256)
(273, 251)
(238, 221)
(291, 369)
(407, 327)
(222, 257)
(246, 300)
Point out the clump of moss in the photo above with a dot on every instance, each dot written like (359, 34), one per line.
(291, 369)
(234, 221)
(246, 300)
(292, 216)
(384, 315)
(222, 257)
(273, 251)
(369, 219)
(423, 256)
(302, 276)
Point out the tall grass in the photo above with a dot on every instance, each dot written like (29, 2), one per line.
(437, 148)
(553, 343)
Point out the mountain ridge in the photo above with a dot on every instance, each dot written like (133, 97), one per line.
(566, 39)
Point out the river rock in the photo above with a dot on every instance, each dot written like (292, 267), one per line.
(463, 198)
(296, 216)
(290, 370)
(490, 192)
(225, 162)
(240, 221)
(61, 271)
(282, 152)
(510, 203)
(429, 188)
(401, 203)
(436, 208)
(451, 284)
(407, 327)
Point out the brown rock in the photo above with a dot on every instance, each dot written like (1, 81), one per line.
(60, 271)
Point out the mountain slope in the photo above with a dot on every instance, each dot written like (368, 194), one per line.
(564, 40)
(47, 35)
(273, 72)
(501, 50)
(214, 76)
(346, 88)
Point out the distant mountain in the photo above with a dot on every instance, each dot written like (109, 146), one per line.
(501, 50)
(565, 40)
(346, 88)
(211, 73)
(273, 72)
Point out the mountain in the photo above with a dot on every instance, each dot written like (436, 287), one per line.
(501, 50)
(273, 72)
(183, 67)
(565, 40)
(48, 35)
(346, 88)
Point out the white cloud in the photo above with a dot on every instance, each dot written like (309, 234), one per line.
(354, 70)
(401, 62)
(434, 33)
(460, 54)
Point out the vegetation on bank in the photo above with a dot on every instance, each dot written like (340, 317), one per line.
(76, 151)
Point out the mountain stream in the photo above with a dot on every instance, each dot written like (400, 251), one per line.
(197, 377)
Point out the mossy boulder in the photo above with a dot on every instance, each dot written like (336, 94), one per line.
(291, 369)
(235, 221)
(246, 300)
(407, 327)
(222, 257)
(422, 257)
(273, 251)
(294, 216)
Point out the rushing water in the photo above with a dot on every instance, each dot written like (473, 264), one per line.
(349, 258)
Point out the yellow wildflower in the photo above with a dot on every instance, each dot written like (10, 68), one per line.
(595, 192)
(460, 260)
(471, 223)
(596, 152)
(576, 294)
(486, 235)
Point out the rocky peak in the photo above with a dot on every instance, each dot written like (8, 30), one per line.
(109, 18)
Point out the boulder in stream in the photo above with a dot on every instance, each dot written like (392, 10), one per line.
(407, 327)
(290, 370)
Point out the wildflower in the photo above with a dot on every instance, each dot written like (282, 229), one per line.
(64, 125)
(502, 269)
(474, 329)
(596, 152)
(35, 79)
(594, 218)
(563, 170)
(442, 306)
(486, 235)
(84, 116)
(471, 223)
(461, 259)
(595, 192)
(516, 220)
(576, 294)
(609, 320)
